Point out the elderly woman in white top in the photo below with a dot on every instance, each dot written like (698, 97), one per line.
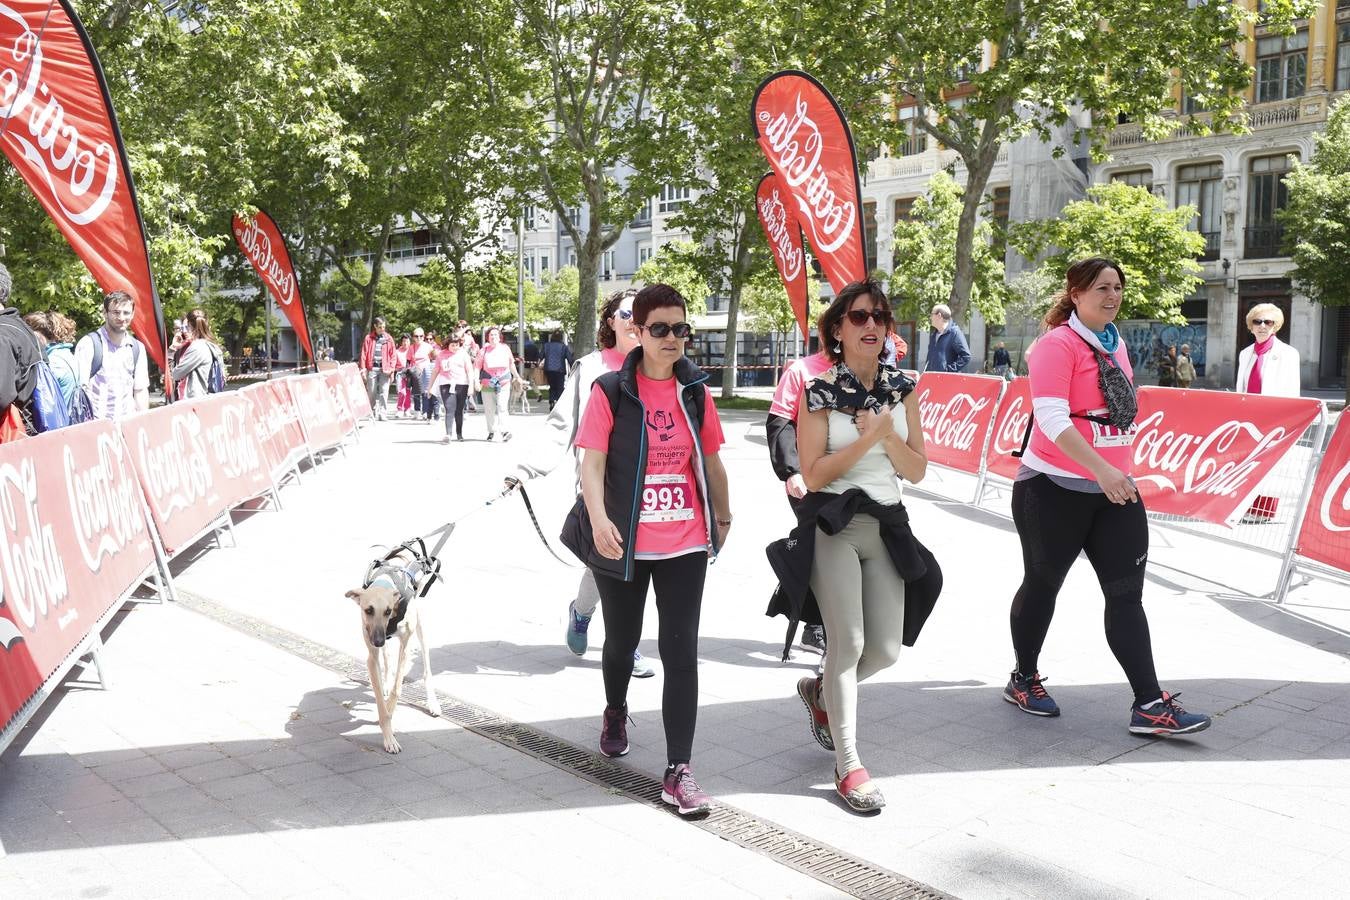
(1267, 366)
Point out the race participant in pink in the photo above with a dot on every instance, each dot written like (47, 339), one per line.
(655, 508)
(1074, 494)
(497, 369)
(450, 375)
(615, 337)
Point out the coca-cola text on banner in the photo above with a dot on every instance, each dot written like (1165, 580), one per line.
(806, 139)
(73, 540)
(1325, 535)
(314, 402)
(784, 235)
(956, 412)
(1204, 454)
(336, 383)
(61, 134)
(262, 244)
(1011, 424)
(357, 397)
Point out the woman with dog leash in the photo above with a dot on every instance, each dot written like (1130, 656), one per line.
(616, 337)
(654, 508)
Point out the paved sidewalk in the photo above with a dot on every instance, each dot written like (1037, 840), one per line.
(222, 763)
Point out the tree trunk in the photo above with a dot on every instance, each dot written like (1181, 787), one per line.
(461, 289)
(376, 269)
(247, 315)
(977, 178)
(739, 265)
(588, 277)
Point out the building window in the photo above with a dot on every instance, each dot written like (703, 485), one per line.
(543, 264)
(644, 215)
(574, 215)
(1281, 67)
(1266, 195)
(529, 267)
(644, 253)
(607, 265)
(572, 257)
(916, 139)
(903, 207)
(1343, 57)
(1201, 186)
(870, 235)
(672, 198)
(1142, 178)
(1189, 105)
(528, 215)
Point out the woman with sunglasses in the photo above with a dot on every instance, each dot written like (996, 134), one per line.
(616, 337)
(497, 372)
(655, 509)
(853, 543)
(1267, 366)
(1073, 494)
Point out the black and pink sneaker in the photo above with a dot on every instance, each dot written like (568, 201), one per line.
(681, 791)
(614, 731)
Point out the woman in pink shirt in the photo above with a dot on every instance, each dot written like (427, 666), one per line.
(655, 509)
(450, 375)
(404, 390)
(1074, 494)
(497, 370)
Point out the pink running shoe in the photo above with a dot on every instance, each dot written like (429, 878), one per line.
(614, 731)
(681, 791)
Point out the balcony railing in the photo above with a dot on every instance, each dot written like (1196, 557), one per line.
(1263, 241)
(1211, 251)
(1263, 115)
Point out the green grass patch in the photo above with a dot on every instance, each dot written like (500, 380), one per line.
(742, 403)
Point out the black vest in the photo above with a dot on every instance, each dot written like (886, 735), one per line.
(626, 464)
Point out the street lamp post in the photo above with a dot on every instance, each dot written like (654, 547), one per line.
(520, 287)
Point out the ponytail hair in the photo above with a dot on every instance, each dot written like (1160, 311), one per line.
(1080, 277)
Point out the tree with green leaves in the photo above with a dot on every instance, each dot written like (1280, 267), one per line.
(558, 300)
(984, 73)
(674, 264)
(1152, 244)
(925, 256)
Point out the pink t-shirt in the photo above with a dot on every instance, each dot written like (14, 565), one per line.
(419, 354)
(495, 359)
(670, 514)
(1065, 366)
(451, 368)
(787, 400)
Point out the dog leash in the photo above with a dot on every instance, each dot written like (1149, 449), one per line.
(518, 485)
(449, 527)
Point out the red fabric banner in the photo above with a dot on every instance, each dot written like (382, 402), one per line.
(262, 244)
(785, 239)
(956, 413)
(357, 397)
(1325, 535)
(276, 424)
(805, 137)
(195, 460)
(60, 133)
(314, 402)
(1203, 454)
(74, 540)
(1014, 417)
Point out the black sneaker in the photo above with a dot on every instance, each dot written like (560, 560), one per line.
(1025, 692)
(614, 731)
(813, 636)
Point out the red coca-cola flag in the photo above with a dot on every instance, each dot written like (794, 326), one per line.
(1204, 454)
(1325, 535)
(60, 133)
(262, 244)
(805, 137)
(956, 412)
(73, 540)
(1014, 417)
(785, 239)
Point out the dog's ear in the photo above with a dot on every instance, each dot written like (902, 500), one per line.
(358, 596)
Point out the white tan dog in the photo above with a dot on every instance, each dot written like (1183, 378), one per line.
(388, 613)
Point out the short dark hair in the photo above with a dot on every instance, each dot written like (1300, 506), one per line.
(117, 297)
(376, 322)
(655, 296)
(604, 334)
(556, 336)
(833, 315)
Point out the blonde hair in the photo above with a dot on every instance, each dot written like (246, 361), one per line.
(1265, 311)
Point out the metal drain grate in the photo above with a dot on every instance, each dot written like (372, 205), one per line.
(820, 861)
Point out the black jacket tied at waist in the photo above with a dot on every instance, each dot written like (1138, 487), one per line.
(793, 556)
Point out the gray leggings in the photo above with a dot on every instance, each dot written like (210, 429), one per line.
(862, 602)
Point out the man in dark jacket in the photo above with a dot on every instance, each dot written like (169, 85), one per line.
(947, 347)
(19, 353)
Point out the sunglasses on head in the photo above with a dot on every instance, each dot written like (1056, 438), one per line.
(1270, 322)
(624, 314)
(661, 329)
(859, 317)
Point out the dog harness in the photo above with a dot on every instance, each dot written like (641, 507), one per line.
(409, 570)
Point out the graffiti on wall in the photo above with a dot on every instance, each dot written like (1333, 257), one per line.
(1148, 342)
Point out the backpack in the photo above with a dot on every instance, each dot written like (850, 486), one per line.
(46, 406)
(215, 379)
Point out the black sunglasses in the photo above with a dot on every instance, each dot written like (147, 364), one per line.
(661, 329)
(624, 314)
(1270, 322)
(859, 317)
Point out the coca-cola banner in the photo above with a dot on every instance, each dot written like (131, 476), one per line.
(803, 134)
(321, 417)
(1203, 454)
(1014, 417)
(74, 540)
(1325, 535)
(195, 460)
(956, 412)
(785, 239)
(60, 133)
(262, 244)
(337, 395)
(356, 391)
(276, 424)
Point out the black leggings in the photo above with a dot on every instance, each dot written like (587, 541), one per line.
(455, 402)
(1054, 524)
(679, 598)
